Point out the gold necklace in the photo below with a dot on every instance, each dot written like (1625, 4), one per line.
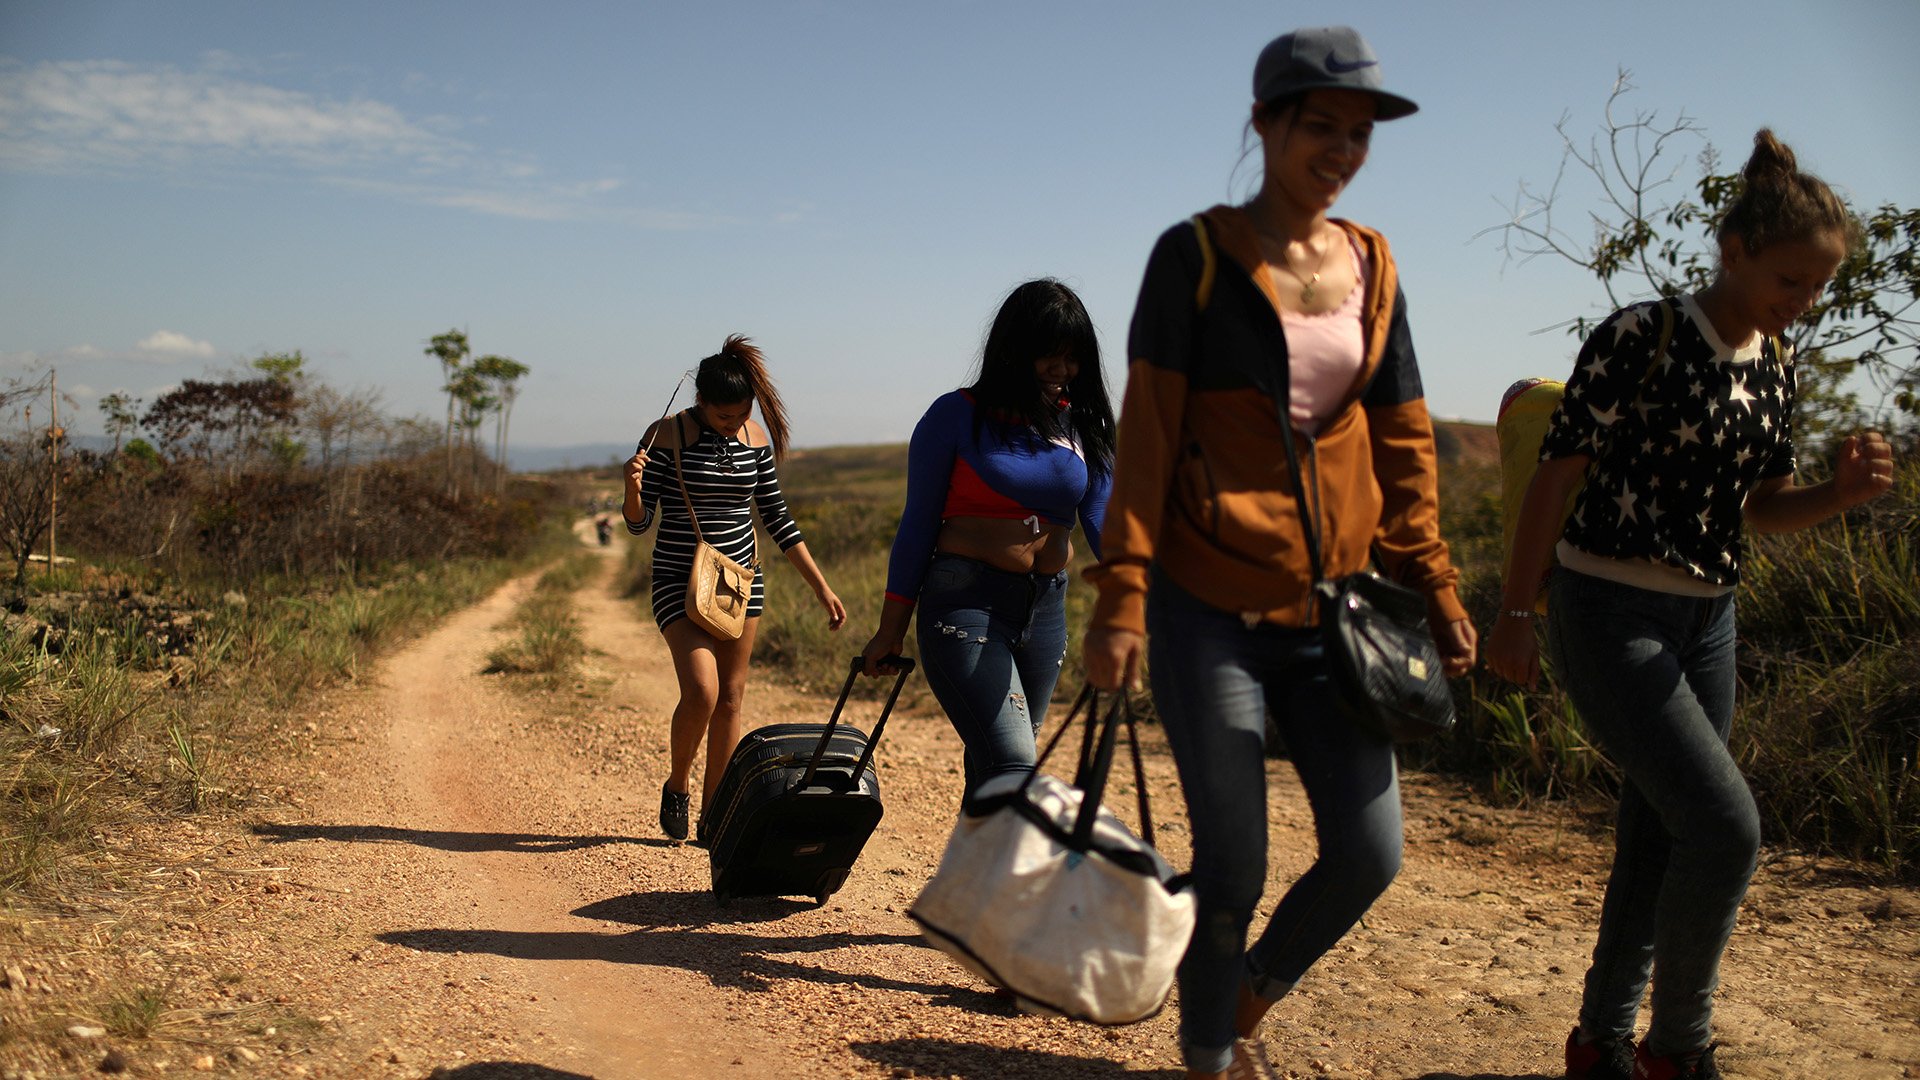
(1307, 284)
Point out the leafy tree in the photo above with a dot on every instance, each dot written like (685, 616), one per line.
(281, 367)
(504, 373)
(1648, 233)
(287, 369)
(452, 350)
(470, 391)
(214, 420)
(120, 411)
(141, 450)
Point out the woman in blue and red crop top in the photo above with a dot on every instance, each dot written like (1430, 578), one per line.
(996, 476)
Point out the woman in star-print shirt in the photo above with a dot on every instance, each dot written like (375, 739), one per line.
(1678, 447)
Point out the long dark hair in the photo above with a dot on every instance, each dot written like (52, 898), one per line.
(739, 373)
(1778, 203)
(1265, 112)
(1038, 319)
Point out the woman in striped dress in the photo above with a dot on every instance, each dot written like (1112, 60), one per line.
(728, 460)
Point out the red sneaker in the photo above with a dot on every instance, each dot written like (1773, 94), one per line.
(1601, 1059)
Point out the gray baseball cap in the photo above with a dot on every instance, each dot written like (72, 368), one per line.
(1324, 58)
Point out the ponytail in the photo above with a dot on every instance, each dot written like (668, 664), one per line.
(739, 373)
(1777, 203)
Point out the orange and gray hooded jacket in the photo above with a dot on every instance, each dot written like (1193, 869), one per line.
(1201, 484)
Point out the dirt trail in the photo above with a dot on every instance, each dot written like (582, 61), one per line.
(470, 884)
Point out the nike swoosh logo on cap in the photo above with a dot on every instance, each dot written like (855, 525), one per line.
(1335, 66)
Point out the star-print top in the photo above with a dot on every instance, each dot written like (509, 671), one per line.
(1677, 441)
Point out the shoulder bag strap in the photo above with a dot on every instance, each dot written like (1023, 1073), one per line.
(1309, 508)
(680, 468)
(1309, 517)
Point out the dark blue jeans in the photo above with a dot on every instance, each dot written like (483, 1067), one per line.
(1214, 682)
(991, 643)
(1652, 675)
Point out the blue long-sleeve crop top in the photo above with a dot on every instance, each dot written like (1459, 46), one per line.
(951, 472)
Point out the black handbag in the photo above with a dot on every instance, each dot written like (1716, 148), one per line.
(1382, 658)
(1386, 669)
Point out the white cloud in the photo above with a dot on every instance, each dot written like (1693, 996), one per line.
(169, 345)
(84, 115)
(538, 202)
(160, 348)
(117, 117)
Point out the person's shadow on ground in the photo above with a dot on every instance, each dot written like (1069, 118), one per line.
(529, 843)
(676, 929)
(503, 1070)
(978, 1061)
(1487, 1076)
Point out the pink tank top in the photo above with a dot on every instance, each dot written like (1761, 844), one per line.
(1324, 353)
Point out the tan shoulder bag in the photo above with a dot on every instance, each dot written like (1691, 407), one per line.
(719, 589)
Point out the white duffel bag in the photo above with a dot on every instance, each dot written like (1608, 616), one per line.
(1042, 891)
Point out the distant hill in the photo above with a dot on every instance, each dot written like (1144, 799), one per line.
(1457, 441)
(1465, 442)
(580, 456)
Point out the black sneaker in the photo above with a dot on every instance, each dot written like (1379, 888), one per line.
(1601, 1059)
(673, 812)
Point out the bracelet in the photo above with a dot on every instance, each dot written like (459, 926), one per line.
(1516, 613)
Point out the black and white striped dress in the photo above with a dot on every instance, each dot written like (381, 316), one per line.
(728, 480)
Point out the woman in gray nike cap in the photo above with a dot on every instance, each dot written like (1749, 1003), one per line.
(1247, 312)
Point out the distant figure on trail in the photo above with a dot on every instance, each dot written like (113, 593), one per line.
(729, 464)
(1244, 312)
(997, 474)
(1678, 451)
(603, 528)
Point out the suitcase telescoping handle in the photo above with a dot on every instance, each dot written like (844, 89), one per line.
(904, 666)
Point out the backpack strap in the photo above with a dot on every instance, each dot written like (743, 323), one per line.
(1666, 304)
(1203, 292)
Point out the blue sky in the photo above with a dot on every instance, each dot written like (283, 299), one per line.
(605, 191)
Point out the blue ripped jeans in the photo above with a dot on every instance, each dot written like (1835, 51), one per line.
(1652, 676)
(1214, 682)
(991, 642)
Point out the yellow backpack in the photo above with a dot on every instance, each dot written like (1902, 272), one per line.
(1521, 424)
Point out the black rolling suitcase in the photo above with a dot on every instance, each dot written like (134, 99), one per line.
(797, 804)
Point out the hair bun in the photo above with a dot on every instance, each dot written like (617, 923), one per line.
(1777, 203)
(1771, 159)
